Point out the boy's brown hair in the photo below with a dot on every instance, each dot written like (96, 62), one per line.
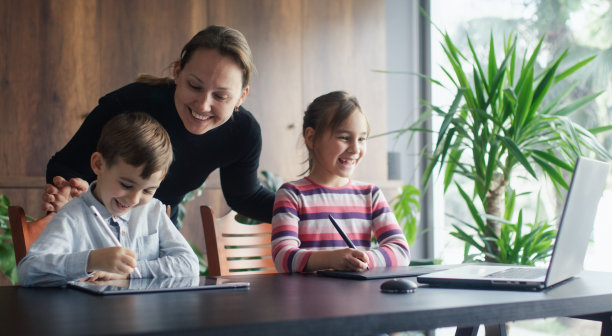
(138, 139)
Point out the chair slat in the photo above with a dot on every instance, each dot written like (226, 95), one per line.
(258, 271)
(250, 263)
(246, 241)
(230, 226)
(251, 240)
(248, 252)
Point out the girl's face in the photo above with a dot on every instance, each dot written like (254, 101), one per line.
(337, 153)
(120, 187)
(208, 88)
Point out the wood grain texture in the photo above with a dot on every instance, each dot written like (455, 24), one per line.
(274, 32)
(60, 56)
(47, 74)
(343, 41)
(144, 36)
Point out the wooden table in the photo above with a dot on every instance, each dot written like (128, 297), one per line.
(281, 304)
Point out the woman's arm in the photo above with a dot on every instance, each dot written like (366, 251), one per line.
(240, 183)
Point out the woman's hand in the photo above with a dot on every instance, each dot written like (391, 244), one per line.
(59, 193)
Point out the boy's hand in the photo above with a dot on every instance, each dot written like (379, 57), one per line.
(347, 259)
(116, 259)
(106, 276)
(59, 193)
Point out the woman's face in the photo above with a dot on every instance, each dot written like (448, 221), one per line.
(208, 88)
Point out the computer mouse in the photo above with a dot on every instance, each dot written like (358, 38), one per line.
(398, 286)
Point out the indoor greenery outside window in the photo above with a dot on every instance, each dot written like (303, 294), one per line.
(582, 28)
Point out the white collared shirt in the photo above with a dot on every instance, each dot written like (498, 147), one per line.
(61, 252)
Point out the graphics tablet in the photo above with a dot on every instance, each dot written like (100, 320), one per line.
(154, 285)
(385, 272)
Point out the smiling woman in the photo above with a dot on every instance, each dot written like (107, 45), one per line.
(201, 110)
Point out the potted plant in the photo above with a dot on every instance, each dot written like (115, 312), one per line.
(7, 253)
(505, 116)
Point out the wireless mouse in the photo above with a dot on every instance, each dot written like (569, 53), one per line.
(398, 286)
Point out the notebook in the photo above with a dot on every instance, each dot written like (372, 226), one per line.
(155, 285)
(385, 272)
(585, 190)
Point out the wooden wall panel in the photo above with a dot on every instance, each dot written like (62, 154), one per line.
(274, 32)
(48, 71)
(343, 41)
(60, 56)
(144, 36)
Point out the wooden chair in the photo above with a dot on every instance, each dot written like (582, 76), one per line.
(24, 233)
(235, 248)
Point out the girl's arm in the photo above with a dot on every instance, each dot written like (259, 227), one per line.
(393, 248)
(287, 255)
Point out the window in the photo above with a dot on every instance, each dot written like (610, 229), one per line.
(582, 27)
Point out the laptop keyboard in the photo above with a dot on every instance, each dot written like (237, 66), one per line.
(519, 273)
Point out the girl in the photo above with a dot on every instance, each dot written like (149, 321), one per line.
(335, 131)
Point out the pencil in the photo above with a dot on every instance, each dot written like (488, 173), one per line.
(110, 233)
(347, 240)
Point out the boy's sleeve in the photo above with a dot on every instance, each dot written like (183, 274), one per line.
(393, 248)
(50, 261)
(176, 257)
(287, 255)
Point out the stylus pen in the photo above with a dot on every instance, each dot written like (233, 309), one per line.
(347, 240)
(110, 233)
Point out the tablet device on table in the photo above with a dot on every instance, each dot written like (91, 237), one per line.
(385, 272)
(154, 285)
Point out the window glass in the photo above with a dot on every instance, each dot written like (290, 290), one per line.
(582, 27)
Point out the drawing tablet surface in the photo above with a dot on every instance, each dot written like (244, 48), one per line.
(153, 285)
(385, 272)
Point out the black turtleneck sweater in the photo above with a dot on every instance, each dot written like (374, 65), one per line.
(234, 147)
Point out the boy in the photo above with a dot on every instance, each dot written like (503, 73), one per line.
(133, 155)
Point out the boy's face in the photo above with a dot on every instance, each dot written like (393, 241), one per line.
(120, 186)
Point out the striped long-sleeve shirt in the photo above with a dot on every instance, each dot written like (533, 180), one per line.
(300, 224)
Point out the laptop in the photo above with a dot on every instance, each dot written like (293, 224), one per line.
(385, 272)
(583, 195)
(155, 285)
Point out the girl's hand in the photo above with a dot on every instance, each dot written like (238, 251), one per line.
(347, 259)
(118, 260)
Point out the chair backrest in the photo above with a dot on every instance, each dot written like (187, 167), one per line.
(24, 233)
(236, 248)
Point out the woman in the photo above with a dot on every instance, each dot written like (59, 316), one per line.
(201, 110)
